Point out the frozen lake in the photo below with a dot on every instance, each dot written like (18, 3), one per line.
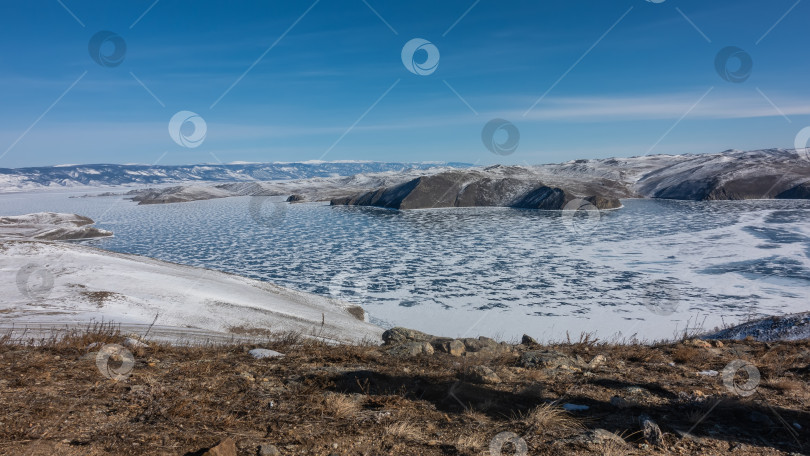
(646, 271)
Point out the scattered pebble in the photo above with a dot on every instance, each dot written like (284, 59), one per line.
(709, 373)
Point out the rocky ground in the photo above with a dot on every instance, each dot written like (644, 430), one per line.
(99, 392)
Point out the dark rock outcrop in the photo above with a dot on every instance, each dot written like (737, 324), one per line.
(801, 191)
(731, 175)
(471, 189)
(295, 198)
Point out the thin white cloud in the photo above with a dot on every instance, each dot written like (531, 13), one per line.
(665, 106)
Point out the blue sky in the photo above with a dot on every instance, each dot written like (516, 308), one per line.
(620, 78)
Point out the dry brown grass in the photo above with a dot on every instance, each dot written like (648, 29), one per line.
(470, 443)
(684, 354)
(182, 399)
(405, 431)
(100, 297)
(357, 312)
(340, 406)
(787, 385)
(549, 417)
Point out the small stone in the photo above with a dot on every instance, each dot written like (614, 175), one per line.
(483, 374)
(226, 447)
(261, 353)
(528, 341)
(652, 433)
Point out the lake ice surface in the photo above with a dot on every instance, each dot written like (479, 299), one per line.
(648, 270)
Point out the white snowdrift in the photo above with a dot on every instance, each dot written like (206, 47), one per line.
(51, 284)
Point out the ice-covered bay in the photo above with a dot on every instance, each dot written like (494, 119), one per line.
(644, 270)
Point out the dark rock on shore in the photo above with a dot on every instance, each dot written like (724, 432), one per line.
(801, 191)
(409, 342)
(471, 189)
(295, 199)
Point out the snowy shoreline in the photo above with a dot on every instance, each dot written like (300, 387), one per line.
(58, 284)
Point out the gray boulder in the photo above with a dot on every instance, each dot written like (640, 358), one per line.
(400, 335)
(484, 375)
(411, 349)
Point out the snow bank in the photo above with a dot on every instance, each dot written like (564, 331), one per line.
(44, 283)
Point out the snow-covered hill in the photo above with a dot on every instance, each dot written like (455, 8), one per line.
(50, 226)
(45, 283)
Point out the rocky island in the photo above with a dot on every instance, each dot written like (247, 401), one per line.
(472, 189)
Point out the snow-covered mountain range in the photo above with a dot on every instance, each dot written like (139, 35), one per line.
(21, 179)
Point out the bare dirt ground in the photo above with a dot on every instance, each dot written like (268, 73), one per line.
(59, 396)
